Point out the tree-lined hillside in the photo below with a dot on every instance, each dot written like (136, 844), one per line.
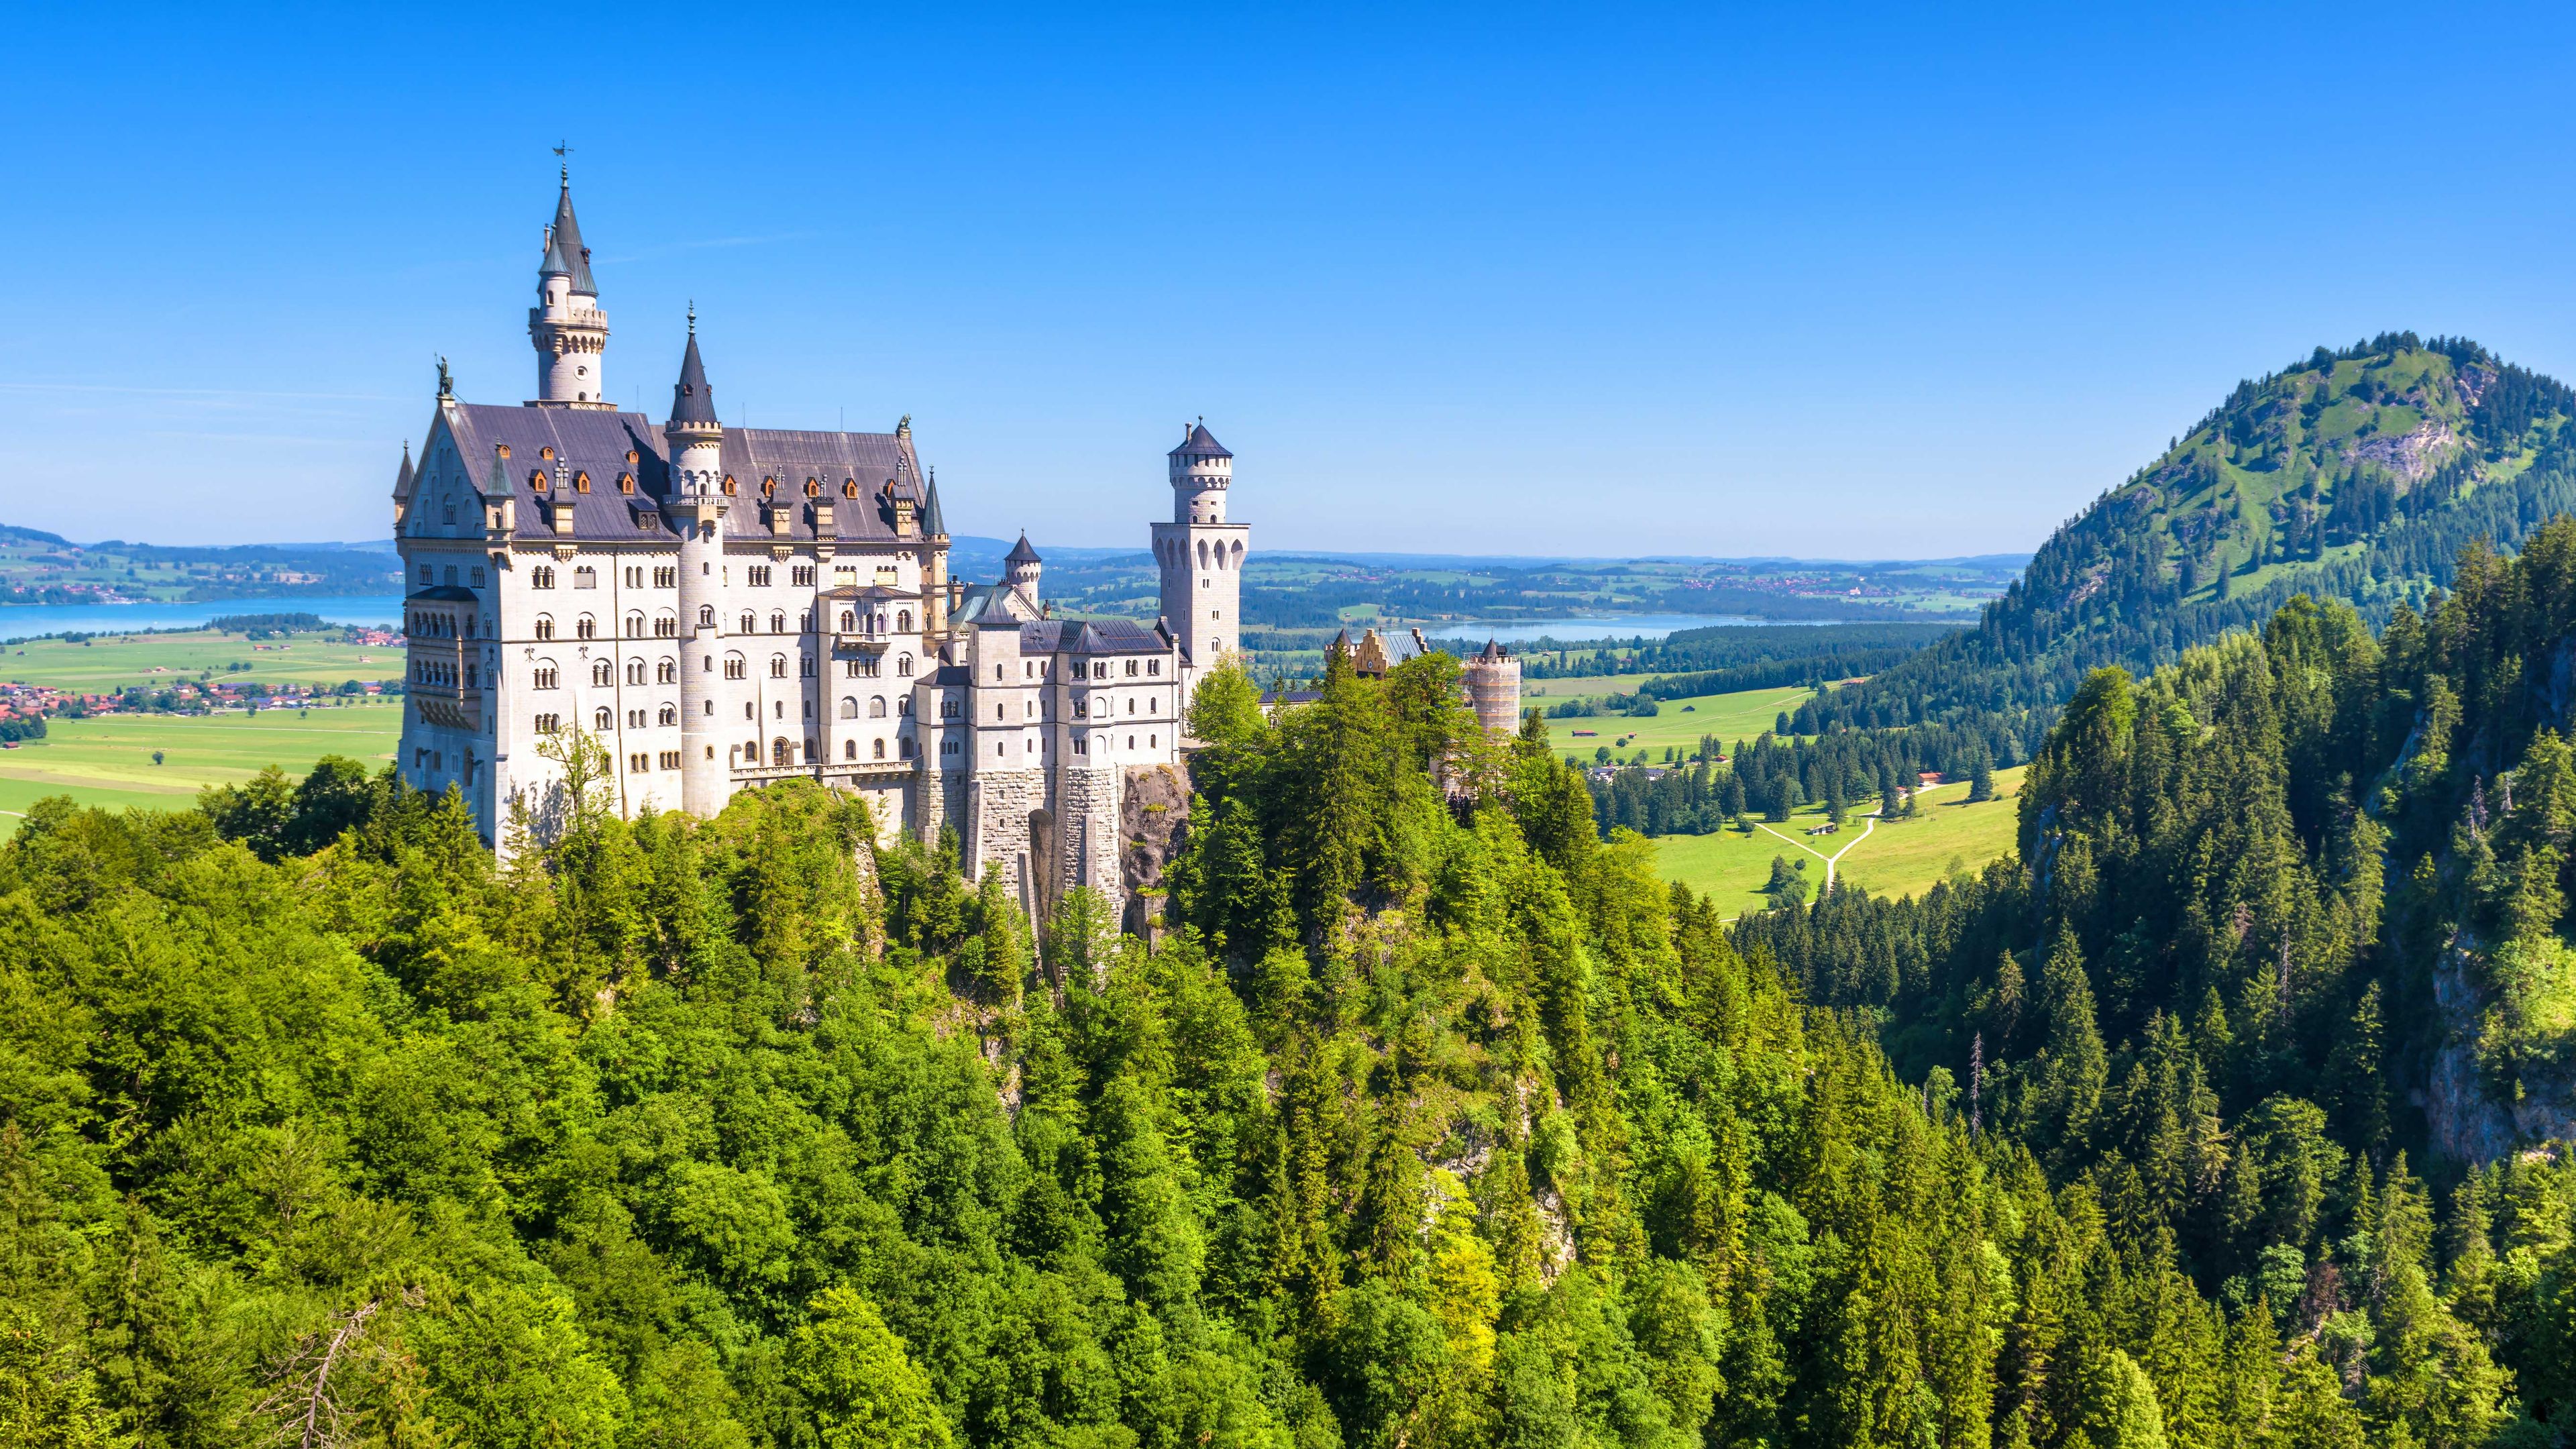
(2356, 475)
(1437, 1121)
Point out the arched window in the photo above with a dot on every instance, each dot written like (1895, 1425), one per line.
(667, 672)
(778, 666)
(670, 714)
(541, 577)
(545, 626)
(634, 626)
(666, 627)
(599, 674)
(903, 621)
(750, 625)
(903, 666)
(781, 752)
(545, 677)
(1203, 553)
(635, 671)
(849, 622)
(585, 627)
(903, 706)
(706, 616)
(849, 749)
(849, 706)
(1238, 553)
(877, 707)
(602, 719)
(778, 623)
(879, 747)
(733, 666)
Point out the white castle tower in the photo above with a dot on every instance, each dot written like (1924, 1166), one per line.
(696, 502)
(568, 329)
(1200, 554)
(1020, 570)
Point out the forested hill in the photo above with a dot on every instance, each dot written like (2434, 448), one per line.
(2354, 475)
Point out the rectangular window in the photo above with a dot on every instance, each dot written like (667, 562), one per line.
(478, 578)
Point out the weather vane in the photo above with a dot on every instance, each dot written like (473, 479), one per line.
(562, 149)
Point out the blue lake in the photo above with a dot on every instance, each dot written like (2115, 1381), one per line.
(27, 621)
(1651, 626)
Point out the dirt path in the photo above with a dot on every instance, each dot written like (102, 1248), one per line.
(1868, 823)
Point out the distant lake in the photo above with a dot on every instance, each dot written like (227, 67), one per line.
(26, 621)
(1651, 626)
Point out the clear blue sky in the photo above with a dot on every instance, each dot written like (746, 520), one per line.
(1584, 279)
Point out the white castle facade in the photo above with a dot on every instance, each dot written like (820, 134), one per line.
(724, 607)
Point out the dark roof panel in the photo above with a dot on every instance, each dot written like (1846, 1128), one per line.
(1200, 444)
(596, 441)
(692, 401)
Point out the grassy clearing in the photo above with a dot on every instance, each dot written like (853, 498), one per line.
(111, 662)
(1731, 717)
(108, 761)
(1904, 858)
(1950, 835)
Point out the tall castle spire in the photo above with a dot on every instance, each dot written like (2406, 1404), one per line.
(566, 326)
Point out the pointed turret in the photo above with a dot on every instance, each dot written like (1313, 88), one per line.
(404, 474)
(1020, 568)
(565, 255)
(692, 401)
(1021, 553)
(934, 524)
(566, 325)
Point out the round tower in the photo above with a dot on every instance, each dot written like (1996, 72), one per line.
(696, 500)
(1494, 690)
(1020, 571)
(566, 326)
(1199, 553)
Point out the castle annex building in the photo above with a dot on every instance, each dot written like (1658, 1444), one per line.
(724, 607)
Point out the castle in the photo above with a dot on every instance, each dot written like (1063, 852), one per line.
(723, 607)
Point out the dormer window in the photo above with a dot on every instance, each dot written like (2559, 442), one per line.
(768, 487)
(581, 482)
(813, 488)
(849, 487)
(625, 482)
(728, 485)
(546, 453)
(633, 457)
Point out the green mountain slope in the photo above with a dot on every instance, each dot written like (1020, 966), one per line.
(2357, 475)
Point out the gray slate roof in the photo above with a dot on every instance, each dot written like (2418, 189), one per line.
(596, 441)
(1092, 636)
(692, 401)
(932, 523)
(1200, 444)
(1022, 553)
(565, 255)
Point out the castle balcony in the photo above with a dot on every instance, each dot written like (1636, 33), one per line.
(452, 706)
(865, 640)
(579, 317)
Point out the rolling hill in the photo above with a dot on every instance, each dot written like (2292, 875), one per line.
(2357, 474)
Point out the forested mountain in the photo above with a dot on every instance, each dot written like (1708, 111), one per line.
(2355, 475)
(1435, 1120)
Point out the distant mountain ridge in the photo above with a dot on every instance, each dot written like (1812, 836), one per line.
(2356, 474)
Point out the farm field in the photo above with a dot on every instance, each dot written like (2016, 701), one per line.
(107, 761)
(110, 662)
(1731, 717)
(1901, 859)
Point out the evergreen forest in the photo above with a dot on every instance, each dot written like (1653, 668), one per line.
(1432, 1119)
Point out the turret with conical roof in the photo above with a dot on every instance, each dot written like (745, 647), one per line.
(696, 506)
(566, 326)
(1200, 554)
(1020, 571)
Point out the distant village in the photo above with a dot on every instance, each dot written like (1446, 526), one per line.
(24, 706)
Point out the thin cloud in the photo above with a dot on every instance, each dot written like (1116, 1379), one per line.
(215, 393)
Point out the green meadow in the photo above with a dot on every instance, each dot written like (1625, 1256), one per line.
(1902, 858)
(1731, 717)
(107, 760)
(106, 663)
